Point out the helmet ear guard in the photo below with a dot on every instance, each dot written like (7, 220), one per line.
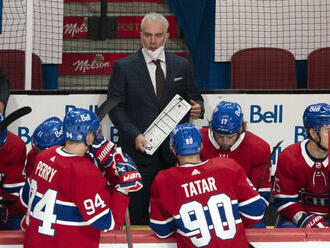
(3, 136)
(49, 133)
(227, 118)
(78, 123)
(186, 139)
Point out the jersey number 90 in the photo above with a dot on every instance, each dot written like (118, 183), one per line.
(194, 218)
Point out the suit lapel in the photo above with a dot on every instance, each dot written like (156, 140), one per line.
(141, 68)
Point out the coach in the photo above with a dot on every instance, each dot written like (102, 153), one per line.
(146, 81)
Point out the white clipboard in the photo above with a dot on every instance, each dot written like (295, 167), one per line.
(165, 122)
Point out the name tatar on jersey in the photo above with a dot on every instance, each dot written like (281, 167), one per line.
(199, 187)
(45, 171)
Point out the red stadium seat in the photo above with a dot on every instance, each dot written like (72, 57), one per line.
(12, 63)
(263, 68)
(318, 69)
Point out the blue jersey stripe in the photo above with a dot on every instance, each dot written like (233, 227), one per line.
(279, 202)
(162, 229)
(254, 209)
(25, 193)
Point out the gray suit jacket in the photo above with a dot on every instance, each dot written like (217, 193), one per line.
(139, 106)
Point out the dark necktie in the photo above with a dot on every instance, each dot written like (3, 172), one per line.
(160, 80)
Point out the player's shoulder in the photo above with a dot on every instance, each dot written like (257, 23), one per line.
(204, 131)
(163, 174)
(80, 166)
(14, 145)
(292, 150)
(45, 154)
(226, 165)
(13, 138)
(254, 140)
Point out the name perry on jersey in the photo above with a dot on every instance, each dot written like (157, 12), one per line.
(45, 171)
(199, 187)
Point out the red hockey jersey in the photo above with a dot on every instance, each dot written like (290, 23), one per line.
(250, 151)
(29, 161)
(68, 202)
(300, 183)
(205, 204)
(12, 161)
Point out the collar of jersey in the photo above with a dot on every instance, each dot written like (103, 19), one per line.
(60, 150)
(192, 165)
(233, 147)
(307, 158)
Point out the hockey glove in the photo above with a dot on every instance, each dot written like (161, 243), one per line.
(312, 221)
(103, 150)
(129, 177)
(3, 214)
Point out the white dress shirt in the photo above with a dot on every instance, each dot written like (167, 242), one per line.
(152, 67)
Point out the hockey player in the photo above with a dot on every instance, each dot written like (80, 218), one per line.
(12, 160)
(66, 196)
(301, 178)
(227, 137)
(48, 133)
(207, 204)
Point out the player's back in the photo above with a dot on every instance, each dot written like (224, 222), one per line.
(203, 199)
(57, 192)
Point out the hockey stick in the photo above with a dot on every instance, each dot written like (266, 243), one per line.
(269, 210)
(107, 106)
(128, 230)
(13, 117)
(266, 165)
